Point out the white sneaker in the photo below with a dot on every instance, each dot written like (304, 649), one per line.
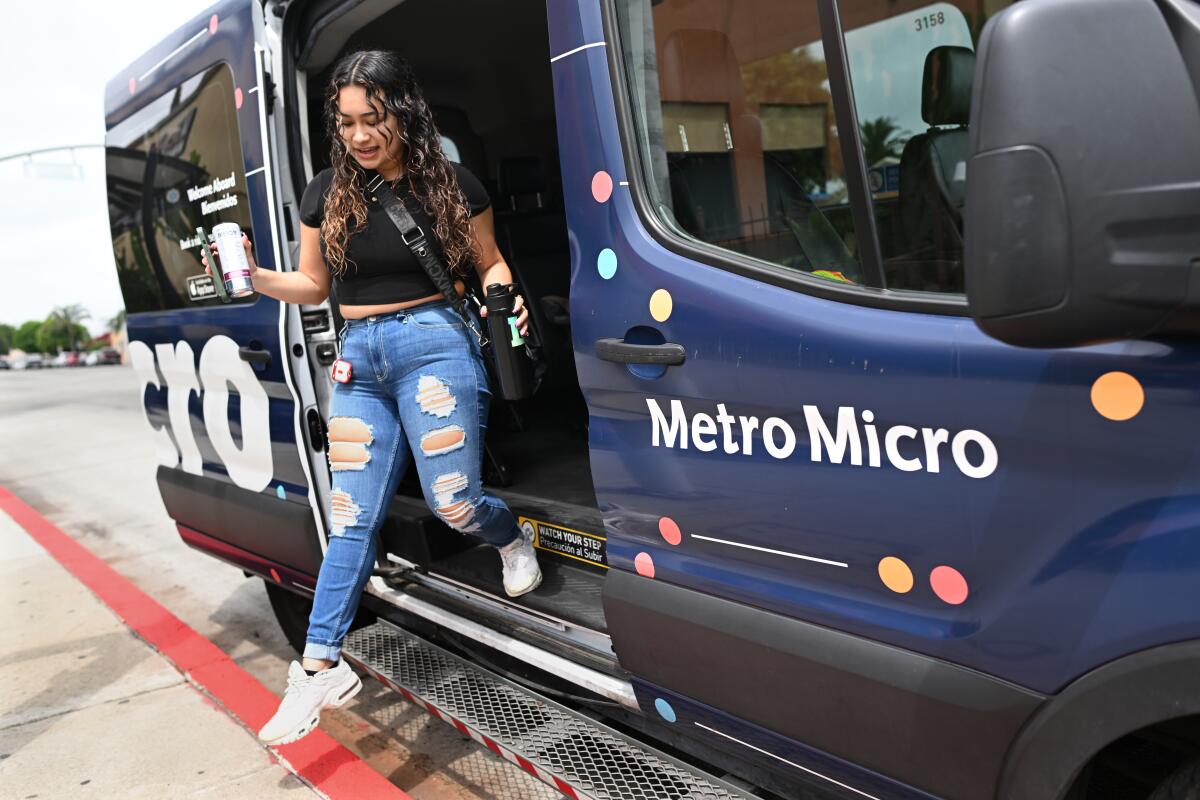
(521, 571)
(306, 695)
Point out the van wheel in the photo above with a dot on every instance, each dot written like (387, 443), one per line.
(1182, 784)
(292, 610)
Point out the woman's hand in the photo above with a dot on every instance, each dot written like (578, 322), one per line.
(217, 257)
(521, 311)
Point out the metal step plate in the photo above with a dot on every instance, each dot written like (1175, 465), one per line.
(577, 755)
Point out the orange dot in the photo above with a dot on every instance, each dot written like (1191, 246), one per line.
(948, 584)
(661, 305)
(644, 565)
(212, 24)
(670, 530)
(237, 97)
(1118, 396)
(895, 575)
(274, 575)
(602, 186)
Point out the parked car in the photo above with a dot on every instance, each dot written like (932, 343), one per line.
(4, 364)
(35, 361)
(105, 355)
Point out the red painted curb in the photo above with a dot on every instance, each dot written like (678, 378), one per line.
(327, 766)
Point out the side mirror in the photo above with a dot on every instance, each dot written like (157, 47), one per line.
(1082, 219)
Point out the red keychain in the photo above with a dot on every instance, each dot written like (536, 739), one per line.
(341, 371)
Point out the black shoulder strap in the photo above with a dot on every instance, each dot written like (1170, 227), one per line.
(417, 241)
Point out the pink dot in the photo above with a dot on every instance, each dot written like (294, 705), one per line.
(949, 584)
(670, 530)
(132, 85)
(601, 186)
(237, 97)
(644, 565)
(212, 24)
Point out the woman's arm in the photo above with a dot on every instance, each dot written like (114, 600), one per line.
(492, 267)
(308, 285)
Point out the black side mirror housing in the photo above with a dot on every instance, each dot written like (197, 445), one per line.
(1082, 220)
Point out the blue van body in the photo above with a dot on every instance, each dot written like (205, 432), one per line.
(845, 539)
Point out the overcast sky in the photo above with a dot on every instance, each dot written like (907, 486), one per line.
(54, 63)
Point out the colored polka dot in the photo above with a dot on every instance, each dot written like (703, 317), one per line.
(237, 97)
(895, 575)
(602, 186)
(280, 492)
(1118, 396)
(949, 584)
(644, 565)
(661, 305)
(132, 85)
(606, 263)
(664, 710)
(670, 530)
(274, 575)
(212, 24)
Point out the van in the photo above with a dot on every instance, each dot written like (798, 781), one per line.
(865, 461)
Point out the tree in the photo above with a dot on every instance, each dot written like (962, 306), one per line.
(53, 335)
(117, 322)
(64, 324)
(882, 139)
(26, 336)
(7, 334)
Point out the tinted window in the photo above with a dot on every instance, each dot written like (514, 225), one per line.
(173, 165)
(735, 122)
(911, 65)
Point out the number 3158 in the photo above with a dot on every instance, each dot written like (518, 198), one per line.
(929, 20)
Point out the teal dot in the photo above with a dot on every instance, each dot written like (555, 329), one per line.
(280, 493)
(664, 710)
(606, 263)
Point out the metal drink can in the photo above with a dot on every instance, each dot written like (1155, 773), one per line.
(234, 267)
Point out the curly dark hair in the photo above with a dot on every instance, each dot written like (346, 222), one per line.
(389, 82)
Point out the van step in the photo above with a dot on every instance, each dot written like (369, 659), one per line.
(563, 748)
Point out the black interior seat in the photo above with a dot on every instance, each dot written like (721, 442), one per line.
(532, 233)
(933, 166)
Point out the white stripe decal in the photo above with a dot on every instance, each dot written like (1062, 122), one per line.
(784, 760)
(576, 50)
(252, 91)
(172, 54)
(769, 550)
(255, 171)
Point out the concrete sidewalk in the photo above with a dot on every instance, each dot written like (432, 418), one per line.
(89, 709)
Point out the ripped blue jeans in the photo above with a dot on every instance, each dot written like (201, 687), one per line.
(419, 387)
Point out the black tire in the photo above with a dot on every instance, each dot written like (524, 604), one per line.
(1182, 784)
(292, 610)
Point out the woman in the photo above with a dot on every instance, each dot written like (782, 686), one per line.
(417, 381)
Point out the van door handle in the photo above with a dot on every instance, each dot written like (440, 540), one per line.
(254, 355)
(620, 351)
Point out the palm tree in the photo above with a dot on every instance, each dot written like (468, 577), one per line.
(881, 139)
(67, 320)
(117, 322)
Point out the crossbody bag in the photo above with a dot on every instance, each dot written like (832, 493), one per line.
(415, 238)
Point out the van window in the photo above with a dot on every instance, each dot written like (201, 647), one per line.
(735, 123)
(171, 166)
(911, 66)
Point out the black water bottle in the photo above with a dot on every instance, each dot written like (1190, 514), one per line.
(513, 367)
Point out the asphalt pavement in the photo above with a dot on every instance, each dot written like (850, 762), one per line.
(75, 445)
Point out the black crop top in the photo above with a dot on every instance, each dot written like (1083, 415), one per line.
(384, 270)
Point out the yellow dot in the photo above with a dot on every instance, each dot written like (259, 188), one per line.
(895, 575)
(661, 305)
(1118, 396)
